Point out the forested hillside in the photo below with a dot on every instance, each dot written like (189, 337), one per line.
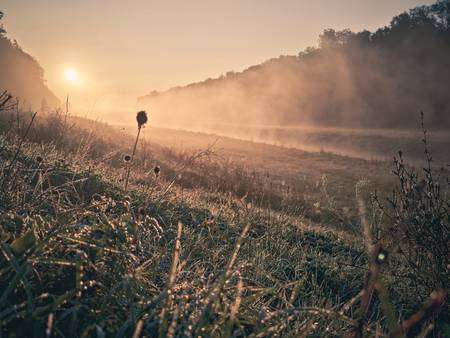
(22, 76)
(378, 79)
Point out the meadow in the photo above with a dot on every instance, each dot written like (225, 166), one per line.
(369, 144)
(213, 236)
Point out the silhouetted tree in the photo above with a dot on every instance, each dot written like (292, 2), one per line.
(2, 30)
(21, 74)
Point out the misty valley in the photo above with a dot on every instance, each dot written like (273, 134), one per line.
(369, 144)
(302, 196)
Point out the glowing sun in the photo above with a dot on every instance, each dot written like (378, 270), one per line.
(70, 74)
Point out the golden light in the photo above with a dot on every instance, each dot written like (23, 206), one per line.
(70, 74)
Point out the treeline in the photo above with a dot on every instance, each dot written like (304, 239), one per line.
(22, 76)
(376, 79)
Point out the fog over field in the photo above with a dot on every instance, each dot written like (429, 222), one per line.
(143, 194)
(354, 80)
(357, 94)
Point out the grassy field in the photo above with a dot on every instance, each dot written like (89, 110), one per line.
(230, 238)
(285, 178)
(368, 144)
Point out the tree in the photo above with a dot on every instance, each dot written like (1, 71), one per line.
(22, 76)
(441, 12)
(2, 31)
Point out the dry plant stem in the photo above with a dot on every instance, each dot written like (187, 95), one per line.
(234, 310)
(138, 329)
(67, 110)
(19, 148)
(432, 306)
(170, 283)
(204, 153)
(132, 157)
(372, 274)
(173, 324)
(4, 98)
(21, 141)
(395, 329)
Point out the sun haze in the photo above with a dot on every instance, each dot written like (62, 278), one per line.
(71, 75)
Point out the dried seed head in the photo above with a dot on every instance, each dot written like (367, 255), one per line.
(141, 118)
(39, 159)
(96, 198)
(157, 170)
(127, 158)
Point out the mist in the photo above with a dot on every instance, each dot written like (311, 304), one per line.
(350, 80)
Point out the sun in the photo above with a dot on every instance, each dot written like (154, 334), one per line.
(70, 74)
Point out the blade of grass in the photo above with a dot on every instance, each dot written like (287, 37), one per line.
(214, 293)
(20, 276)
(170, 283)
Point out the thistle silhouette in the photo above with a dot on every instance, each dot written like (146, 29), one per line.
(157, 170)
(141, 119)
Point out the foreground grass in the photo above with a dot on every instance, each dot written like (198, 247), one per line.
(82, 258)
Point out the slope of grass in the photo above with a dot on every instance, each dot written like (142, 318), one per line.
(80, 257)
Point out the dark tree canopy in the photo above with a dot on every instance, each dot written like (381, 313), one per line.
(21, 74)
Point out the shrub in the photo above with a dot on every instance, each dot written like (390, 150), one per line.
(421, 221)
(418, 234)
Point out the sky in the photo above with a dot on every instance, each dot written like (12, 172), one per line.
(124, 49)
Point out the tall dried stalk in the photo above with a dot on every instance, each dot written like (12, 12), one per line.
(141, 119)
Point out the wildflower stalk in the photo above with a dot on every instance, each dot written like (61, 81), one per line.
(141, 119)
(132, 156)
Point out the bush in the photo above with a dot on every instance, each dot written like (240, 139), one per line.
(421, 221)
(418, 234)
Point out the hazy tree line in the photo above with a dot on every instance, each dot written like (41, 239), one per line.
(364, 79)
(21, 75)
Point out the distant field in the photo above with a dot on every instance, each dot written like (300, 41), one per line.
(300, 151)
(368, 144)
(378, 144)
